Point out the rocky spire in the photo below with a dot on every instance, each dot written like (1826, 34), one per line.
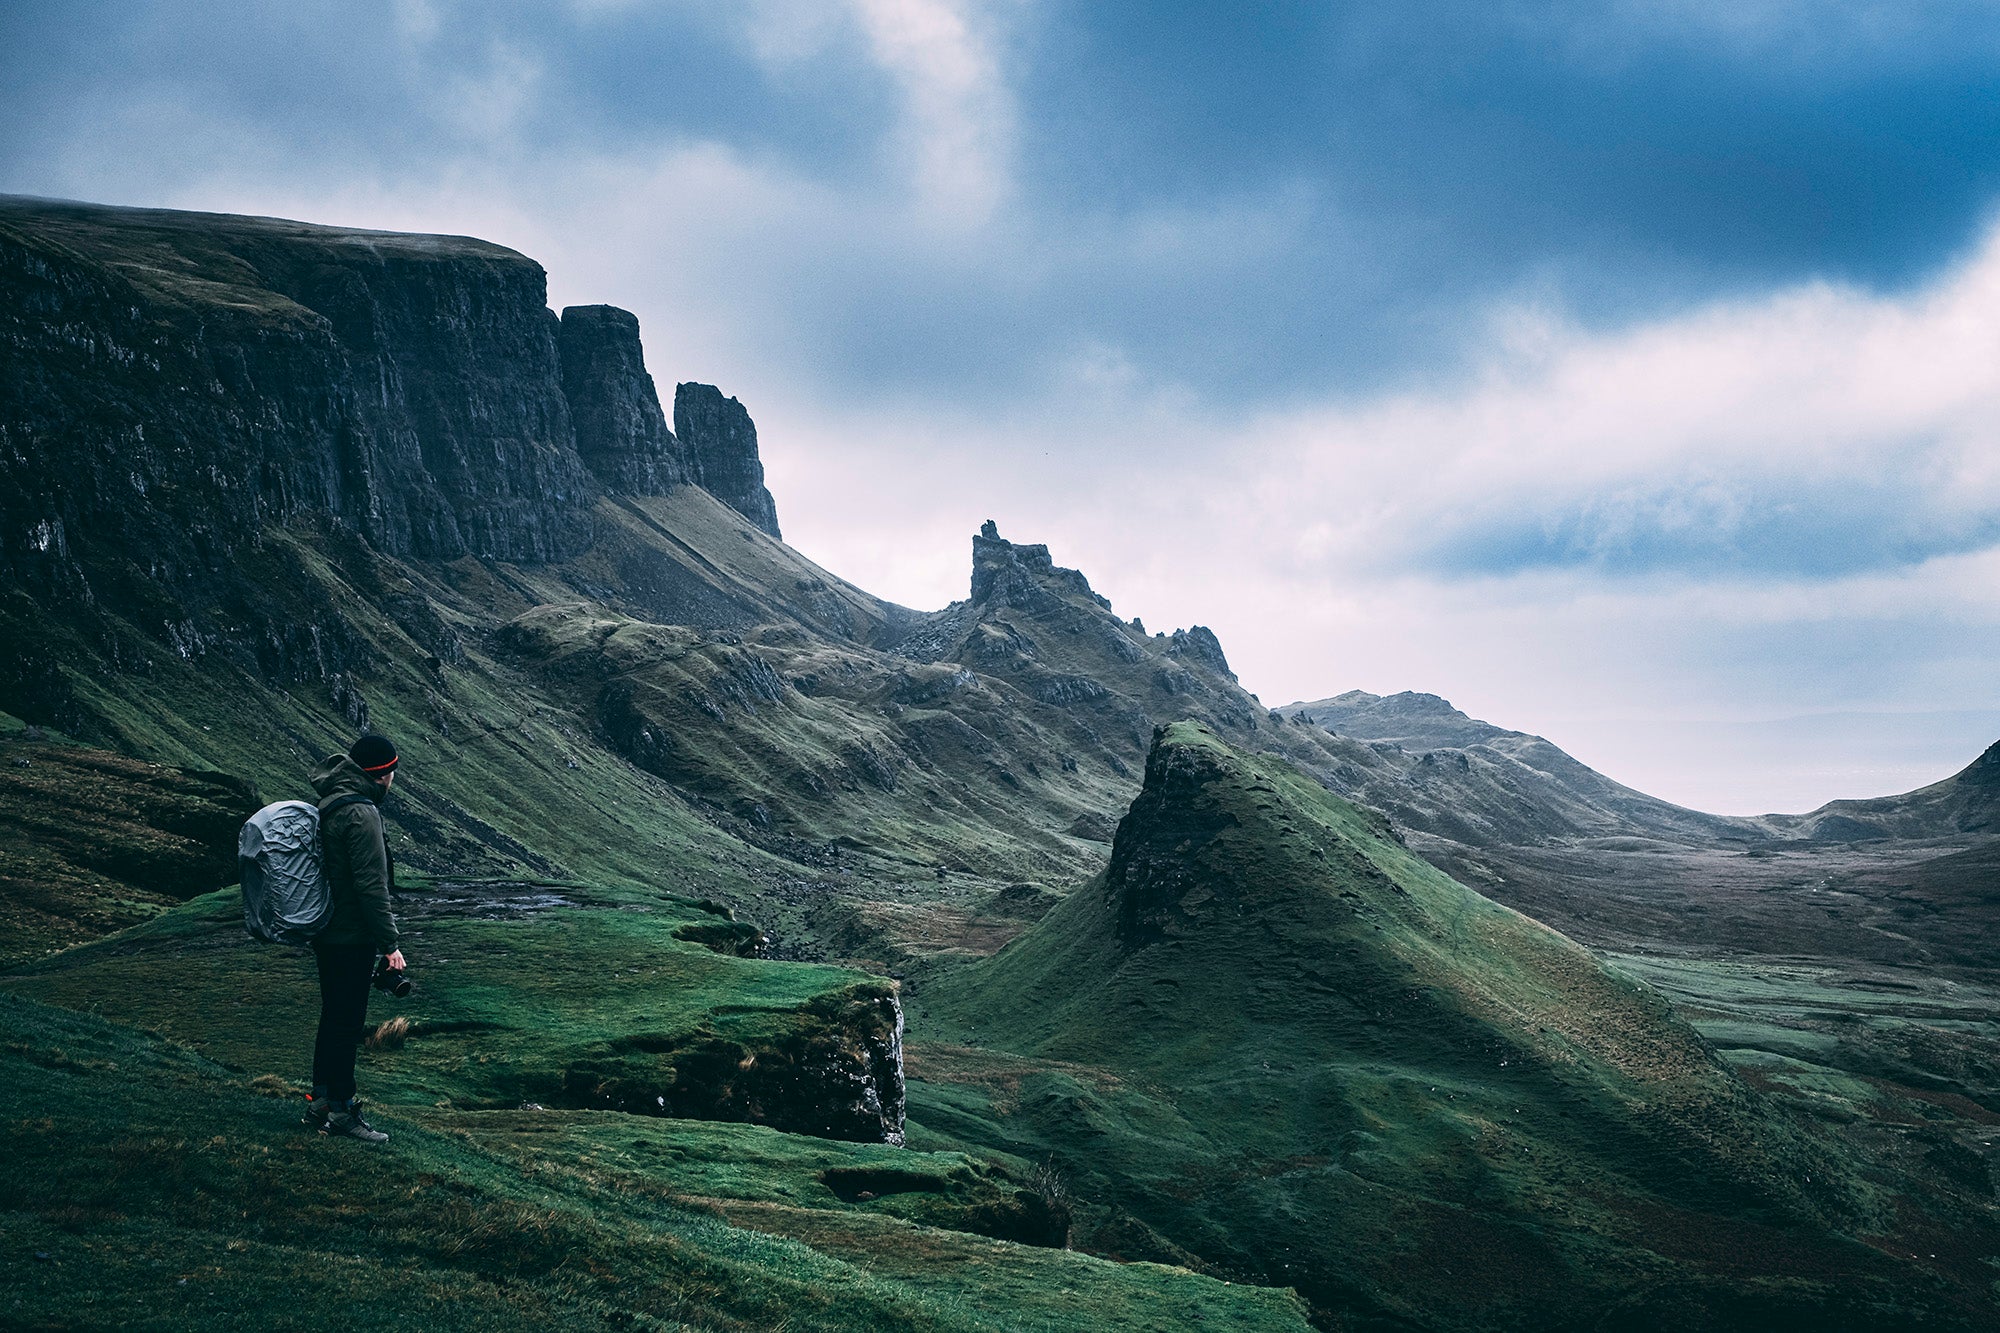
(1017, 574)
(719, 442)
(621, 433)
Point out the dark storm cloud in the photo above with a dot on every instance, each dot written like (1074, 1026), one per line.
(351, 84)
(1258, 200)
(1622, 158)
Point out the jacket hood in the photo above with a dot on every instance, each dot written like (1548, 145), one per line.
(337, 775)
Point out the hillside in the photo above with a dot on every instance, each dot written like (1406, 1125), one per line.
(1287, 1046)
(1473, 782)
(1575, 800)
(272, 482)
(147, 1186)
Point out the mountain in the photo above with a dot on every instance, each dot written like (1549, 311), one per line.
(269, 483)
(1286, 1046)
(1897, 879)
(265, 483)
(1577, 800)
(1456, 777)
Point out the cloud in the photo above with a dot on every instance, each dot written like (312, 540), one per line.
(959, 113)
(1761, 509)
(1820, 431)
(1575, 362)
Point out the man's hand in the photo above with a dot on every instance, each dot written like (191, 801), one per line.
(395, 961)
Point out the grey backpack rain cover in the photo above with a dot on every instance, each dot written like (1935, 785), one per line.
(285, 895)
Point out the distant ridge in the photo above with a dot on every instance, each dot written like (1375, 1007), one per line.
(1423, 725)
(1905, 878)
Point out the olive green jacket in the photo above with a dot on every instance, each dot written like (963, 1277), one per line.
(355, 858)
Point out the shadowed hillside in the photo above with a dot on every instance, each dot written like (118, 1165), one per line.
(1283, 1044)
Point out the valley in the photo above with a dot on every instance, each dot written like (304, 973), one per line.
(785, 954)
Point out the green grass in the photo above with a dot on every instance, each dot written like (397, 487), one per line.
(91, 842)
(166, 1192)
(601, 1006)
(1273, 1038)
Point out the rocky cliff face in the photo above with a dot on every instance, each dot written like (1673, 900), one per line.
(174, 386)
(621, 433)
(720, 442)
(203, 376)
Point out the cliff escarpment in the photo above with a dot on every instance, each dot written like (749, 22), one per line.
(203, 375)
(621, 433)
(176, 383)
(264, 484)
(721, 445)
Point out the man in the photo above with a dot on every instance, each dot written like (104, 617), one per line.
(359, 929)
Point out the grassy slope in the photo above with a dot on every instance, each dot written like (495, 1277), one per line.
(501, 777)
(1905, 1068)
(573, 1005)
(92, 842)
(1338, 1068)
(147, 1187)
(797, 712)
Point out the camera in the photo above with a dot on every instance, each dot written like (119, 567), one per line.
(391, 981)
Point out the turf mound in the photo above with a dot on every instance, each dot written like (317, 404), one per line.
(602, 1007)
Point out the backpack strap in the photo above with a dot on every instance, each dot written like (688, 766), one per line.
(351, 798)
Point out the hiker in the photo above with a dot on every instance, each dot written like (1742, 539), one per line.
(359, 929)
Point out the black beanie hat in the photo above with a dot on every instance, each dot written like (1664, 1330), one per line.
(374, 755)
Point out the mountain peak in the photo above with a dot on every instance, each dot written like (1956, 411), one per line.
(720, 442)
(1276, 954)
(621, 433)
(1020, 575)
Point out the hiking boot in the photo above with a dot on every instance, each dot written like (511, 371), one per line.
(318, 1107)
(346, 1123)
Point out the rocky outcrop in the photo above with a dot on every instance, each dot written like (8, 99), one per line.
(833, 1069)
(621, 433)
(720, 443)
(1198, 642)
(1154, 877)
(1022, 576)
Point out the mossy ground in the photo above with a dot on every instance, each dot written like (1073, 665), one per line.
(554, 1006)
(91, 842)
(148, 1187)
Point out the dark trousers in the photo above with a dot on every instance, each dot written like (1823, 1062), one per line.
(344, 974)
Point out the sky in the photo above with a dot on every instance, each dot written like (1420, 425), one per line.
(1625, 371)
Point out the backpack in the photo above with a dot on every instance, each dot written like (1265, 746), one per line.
(286, 899)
